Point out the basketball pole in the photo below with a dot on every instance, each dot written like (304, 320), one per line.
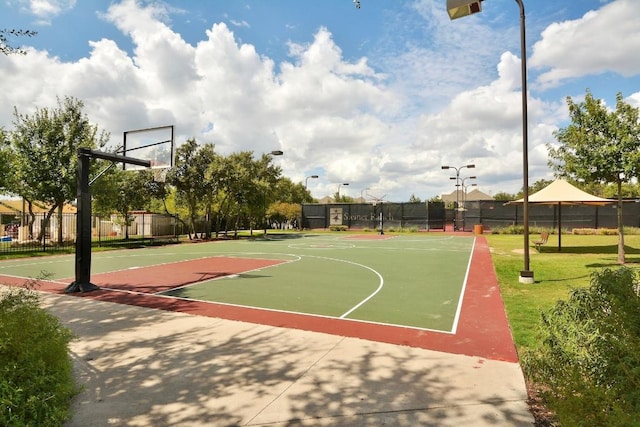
(82, 281)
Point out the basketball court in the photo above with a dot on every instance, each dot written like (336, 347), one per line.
(430, 291)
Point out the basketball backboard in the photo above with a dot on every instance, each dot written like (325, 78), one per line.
(154, 144)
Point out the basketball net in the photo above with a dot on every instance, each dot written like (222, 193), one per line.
(160, 174)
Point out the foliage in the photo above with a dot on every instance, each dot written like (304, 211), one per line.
(599, 146)
(284, 213)
(338, 228)
(414, 199)
(122, 192)
(45, 146)
(589, 361)
(188, 177)
(6, 48)
(36, 379)
(289, 192)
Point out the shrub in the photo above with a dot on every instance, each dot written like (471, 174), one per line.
(36, 378)
(338, 228)
(589, 362)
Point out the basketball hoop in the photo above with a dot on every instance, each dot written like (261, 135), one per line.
(160, 174)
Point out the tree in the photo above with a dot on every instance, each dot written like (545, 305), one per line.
(122, 192)
(6, 48)
(503, 196)
(188, 178)
(290, 192)
(599, 146)
(46, 147)
(414, 199)
(6, 159)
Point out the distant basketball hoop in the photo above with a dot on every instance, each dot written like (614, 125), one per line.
(156, 144)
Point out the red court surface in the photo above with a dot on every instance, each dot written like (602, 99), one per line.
(483, 329)
(160, 278)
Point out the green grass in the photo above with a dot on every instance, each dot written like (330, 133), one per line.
(556, 273)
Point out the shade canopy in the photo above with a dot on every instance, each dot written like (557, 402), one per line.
(560, 192)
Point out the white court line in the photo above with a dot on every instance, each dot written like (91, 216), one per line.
(464, 288)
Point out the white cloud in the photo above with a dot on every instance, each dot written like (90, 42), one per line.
(606, 40)
(46, 10)
(387, 123)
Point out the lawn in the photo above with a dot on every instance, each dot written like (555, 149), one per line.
(556, 273)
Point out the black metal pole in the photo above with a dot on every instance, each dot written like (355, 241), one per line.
(83, 216)
(83, 228)
(526, 275)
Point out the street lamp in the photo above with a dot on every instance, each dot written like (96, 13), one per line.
(307, 179)
(264, 205)
(464, 188)
(457, 178)
(340, 185)
(362, 191)
(459, 9)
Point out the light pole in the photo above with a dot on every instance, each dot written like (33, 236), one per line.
(459, 9)
(464, 197)
(362, 191)
(264, 205)
(307, 179)
(457, 178)
(340, 185)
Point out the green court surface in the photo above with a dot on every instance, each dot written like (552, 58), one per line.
(414, 280)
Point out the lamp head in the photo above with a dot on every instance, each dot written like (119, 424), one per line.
(276, 153)
(446, 167)
(471, 166)
(461, 8)
(346, 183)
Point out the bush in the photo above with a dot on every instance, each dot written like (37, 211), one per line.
(589, 363)
(36, 378)
(338, 228)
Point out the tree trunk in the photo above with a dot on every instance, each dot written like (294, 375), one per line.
(621, 257)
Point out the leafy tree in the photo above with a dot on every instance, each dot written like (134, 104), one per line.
(45, 147)
(599, 146)
(338, 198)
(6, 48)
(414, 199)
(6, 159)
(503, 196)
(284, 213)
(188, 178)
(290, 192)
(539, 185)
(122, 192)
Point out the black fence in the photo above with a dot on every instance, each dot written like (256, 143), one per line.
(490, 214)
(369, 216)
(60, 232)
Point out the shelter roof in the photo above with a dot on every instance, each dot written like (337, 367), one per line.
(560, 191)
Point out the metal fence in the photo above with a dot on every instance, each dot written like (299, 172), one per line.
(491, 214)
(373, 216)
(60, 232)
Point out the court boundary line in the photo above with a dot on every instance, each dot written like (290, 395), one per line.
(454, 327)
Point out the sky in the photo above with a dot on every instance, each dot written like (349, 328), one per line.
(379, 98)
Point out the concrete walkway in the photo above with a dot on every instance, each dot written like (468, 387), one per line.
(147, 367)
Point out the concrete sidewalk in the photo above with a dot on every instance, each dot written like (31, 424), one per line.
(146, 367)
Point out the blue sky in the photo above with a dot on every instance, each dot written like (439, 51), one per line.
(379, 97)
